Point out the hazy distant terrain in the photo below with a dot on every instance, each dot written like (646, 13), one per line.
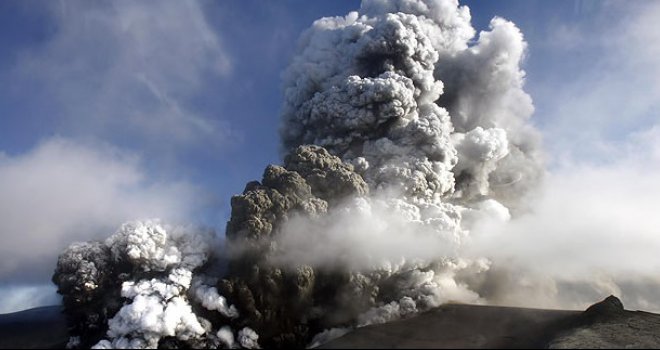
(604, 325)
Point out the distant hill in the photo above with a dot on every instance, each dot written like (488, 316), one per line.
(40, 328)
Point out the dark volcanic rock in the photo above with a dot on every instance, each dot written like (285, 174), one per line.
(609, 307)
(603, 325)
(40, 328)
(606, 325)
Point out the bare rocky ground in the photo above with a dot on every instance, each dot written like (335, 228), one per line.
(603, 325)
(607, 325)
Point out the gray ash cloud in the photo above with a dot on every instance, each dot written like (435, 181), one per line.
(400, 132)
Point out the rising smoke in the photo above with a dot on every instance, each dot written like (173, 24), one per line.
(400, 134)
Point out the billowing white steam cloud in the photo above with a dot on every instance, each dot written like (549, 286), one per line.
(151, 266)
(371, 88)
(211, 300)
(158, 306)
(436, 126)
(400, 135)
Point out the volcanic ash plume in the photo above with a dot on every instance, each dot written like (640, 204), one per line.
(400, 132)
(397, 90)
(131, 291)
(431, 131)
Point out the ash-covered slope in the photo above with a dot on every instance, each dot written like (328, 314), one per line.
(39, 328)
(603, 325)
(607, 325)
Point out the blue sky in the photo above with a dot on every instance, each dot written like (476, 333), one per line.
(116, 110)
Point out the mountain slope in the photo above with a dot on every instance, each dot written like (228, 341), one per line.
(603, 325)
(40, 328)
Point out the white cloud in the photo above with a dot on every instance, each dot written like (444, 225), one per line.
(126, 73)
(605, 81)
(62, 191)
(128, 70)
(17, 298)
(594, 231)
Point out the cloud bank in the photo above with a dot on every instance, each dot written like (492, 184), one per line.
(114, 79)
(592, 231)
(22, 297)
(63, 191)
